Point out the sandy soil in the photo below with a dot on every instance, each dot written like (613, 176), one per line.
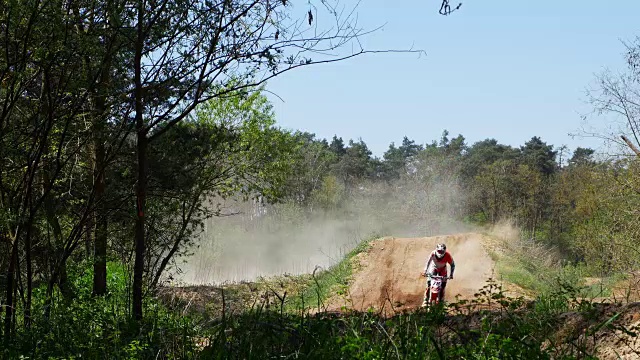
(387, 276)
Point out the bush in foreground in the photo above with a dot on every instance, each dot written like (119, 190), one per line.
(490, 326)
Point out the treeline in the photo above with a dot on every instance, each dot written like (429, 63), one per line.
(582, 207)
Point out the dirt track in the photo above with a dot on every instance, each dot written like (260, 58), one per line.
(388, 275)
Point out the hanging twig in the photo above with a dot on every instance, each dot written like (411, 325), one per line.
(445, 8)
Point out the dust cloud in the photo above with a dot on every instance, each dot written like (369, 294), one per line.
(473, 265)
(263, 241)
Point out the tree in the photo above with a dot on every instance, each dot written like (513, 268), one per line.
(312, 160)
(337, 146)
(618, 96)
(356, 164)
(393, 165)
(330, 194)
(230, 148)
(43, 136)
(582, 156)
(188, 52)
(483, 153)
(99, 24)
(537, 154)
(93, 89)
(409, 149)
(455, 146)
(492, 188)
(605, 229)
(398, 161)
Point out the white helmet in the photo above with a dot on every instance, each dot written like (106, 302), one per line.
(441, 249)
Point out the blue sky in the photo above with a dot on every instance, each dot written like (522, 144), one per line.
(508, 70)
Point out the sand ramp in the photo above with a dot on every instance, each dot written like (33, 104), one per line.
(387, 276)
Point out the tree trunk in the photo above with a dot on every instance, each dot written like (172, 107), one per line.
(27, 249)
(100, 246)
(88, 240)
(9, 304)
(138, 268)
(66, 288)
(90, 224)
(100, 165)
(141, 188)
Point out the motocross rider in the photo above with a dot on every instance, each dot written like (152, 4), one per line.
(437, 265)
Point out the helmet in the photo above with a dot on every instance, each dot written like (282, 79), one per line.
(441, 249)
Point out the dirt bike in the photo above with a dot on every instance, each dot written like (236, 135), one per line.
(434, 294)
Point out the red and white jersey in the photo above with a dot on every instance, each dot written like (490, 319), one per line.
(439, 264)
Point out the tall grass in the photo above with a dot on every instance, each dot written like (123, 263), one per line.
(538, 268)
(99, 328)
(489, 326)
(558, 324)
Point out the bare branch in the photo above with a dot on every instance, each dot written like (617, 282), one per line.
(445, 8)
(631, 145)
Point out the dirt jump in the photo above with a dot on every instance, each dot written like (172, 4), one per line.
(387, 276)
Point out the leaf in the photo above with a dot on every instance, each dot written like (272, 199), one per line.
(605, 324)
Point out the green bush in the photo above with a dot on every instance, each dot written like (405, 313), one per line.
(100, 327)
(491, 326)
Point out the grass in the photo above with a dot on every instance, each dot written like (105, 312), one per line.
(320, 286)
(490, 326)
(508, 329)
(99, 327)
(511, 271)
(537, 269)
(540, 279)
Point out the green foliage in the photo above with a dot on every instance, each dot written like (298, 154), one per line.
(489, 326)
(229, 148)
(249, 154)
(539, 155)
(101, 327)
(67, 122)
(356, 163)
(605, 222)
(98, 132)
(498, 181)
(397, 161)
(540, 270)
(312, 161)
(582, 157)
(483, 153)
(330, 195)
(479, 218)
